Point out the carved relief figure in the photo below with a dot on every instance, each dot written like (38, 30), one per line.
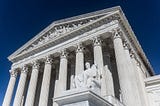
(88, 78)
(58, 31)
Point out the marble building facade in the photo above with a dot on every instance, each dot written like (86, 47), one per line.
(87, 60)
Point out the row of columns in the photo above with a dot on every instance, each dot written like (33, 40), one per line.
(21, 86)
(125, 73)
(129, 89)
(60, 84)
(132, 87)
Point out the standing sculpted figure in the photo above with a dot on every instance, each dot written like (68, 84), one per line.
(88, 78)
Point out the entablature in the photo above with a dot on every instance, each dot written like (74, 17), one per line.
(103, 30)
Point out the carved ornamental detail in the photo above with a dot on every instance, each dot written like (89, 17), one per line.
(13, 73)
(59, 30)
(89, 78)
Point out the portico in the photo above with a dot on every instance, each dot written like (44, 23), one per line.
(60, 51)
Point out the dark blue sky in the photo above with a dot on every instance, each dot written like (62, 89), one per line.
(20, 20)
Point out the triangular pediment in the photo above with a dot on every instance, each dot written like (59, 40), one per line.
(59, 28)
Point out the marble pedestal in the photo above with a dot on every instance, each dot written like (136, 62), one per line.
(81, 97)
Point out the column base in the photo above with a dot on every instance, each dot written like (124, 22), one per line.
(81, 97)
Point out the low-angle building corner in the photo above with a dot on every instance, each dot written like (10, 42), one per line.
(92, 59)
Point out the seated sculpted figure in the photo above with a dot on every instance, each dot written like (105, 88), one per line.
(88, 78)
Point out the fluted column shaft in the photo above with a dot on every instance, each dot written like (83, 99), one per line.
(140, 80)
(32, 85)
(124, 73)
(56, 88)
(132, 76)
(79, 59)
(98, 60)
(10, 88)
(55, 92)
(98, 56)
(43, 101)
(62, 82)
(56, 83)
(20, 89)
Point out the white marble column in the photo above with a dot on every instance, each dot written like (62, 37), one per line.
(98, 56)
(56, 87)
(20, 89)
(10, 88)
(140, 80)
(43, 101)
(124, 73)
(56, 83)
(121, 66)
(72, 71)
(62, 82)
(32, 85)
(132, 75)
(79, 59)
(106, 90)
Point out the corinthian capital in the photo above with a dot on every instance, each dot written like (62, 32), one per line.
(126, 45)
(24, 69)
(49, 60)
(36, 65)
(13, 73)
(97, 41)
(116, 33)
(132, 55)
(64, 54)
(80, 48)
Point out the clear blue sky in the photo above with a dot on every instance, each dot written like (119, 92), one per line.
(20, 20)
